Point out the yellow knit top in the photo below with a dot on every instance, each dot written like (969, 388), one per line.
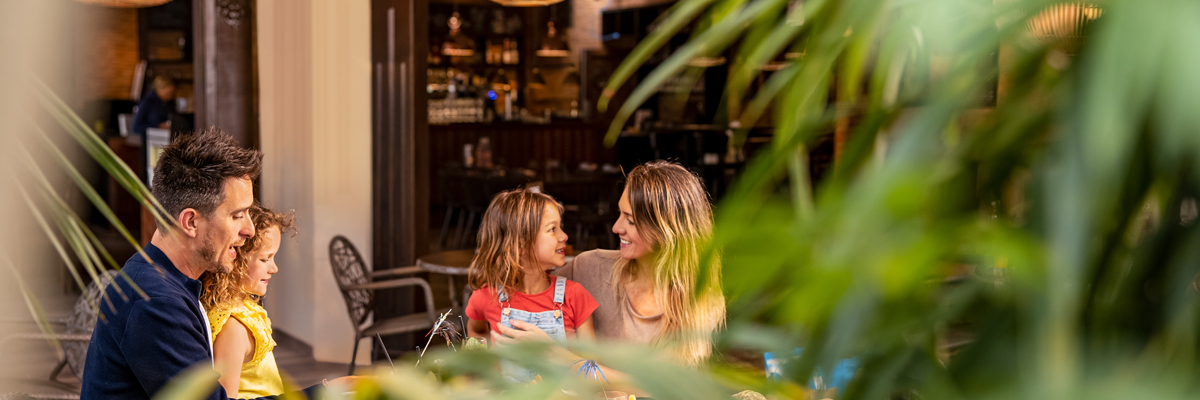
(260, 375)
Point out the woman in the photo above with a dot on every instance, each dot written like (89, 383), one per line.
(647, 290)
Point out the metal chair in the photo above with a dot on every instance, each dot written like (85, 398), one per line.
(79, 326)
(355, 282)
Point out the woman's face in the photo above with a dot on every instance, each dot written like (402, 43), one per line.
(633, 247)
(550, 246)
(261, 265)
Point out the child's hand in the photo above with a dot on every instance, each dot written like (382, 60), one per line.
(523, 332)
(346, 381)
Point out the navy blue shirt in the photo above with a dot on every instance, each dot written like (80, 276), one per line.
(141, 344)
(152, 111)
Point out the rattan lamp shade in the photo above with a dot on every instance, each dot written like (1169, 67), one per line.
(1064, 23)
(526, 3)
(125, 3)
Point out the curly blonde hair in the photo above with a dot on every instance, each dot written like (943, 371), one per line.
(223, 289)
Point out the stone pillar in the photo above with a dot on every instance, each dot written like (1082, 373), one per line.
(226, 88)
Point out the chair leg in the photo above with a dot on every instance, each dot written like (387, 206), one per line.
(461, 225)
(453, 298)
(470, 233)
(354, 355)
(58, 368)
(445, 227)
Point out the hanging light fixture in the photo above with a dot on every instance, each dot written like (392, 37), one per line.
(125, 3)
(457, 45)
(552, 45)
(526, 3)
(1065, 24)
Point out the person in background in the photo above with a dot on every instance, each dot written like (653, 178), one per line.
(155, 108)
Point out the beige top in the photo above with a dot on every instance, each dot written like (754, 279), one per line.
(614, 319)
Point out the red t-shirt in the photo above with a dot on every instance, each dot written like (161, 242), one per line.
(577, 306)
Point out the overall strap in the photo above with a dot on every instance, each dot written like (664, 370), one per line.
(502, 296)
(560, 288)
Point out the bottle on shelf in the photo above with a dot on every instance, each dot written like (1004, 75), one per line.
(483, 153)
(506, 55)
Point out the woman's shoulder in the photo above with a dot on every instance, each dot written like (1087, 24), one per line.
(591, 267)
(574, 287)
(597, 257)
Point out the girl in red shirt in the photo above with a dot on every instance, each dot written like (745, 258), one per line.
(520, 238)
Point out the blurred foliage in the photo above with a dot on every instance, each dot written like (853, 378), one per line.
(1041, 247)
(40, 168)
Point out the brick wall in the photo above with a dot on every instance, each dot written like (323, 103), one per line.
(106, 49)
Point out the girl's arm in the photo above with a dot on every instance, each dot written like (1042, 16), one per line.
(529, 332)
(477, 329)
(232, 347)
(586, 331)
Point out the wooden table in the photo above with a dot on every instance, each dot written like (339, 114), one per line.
(450, 263)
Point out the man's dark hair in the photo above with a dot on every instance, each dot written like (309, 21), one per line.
(192, 170)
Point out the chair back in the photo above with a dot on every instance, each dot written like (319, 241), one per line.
(350, 270)
(82, 320)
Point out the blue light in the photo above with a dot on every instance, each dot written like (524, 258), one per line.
(491, 95)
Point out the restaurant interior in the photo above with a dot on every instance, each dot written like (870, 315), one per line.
(388, 126)
(462, 99)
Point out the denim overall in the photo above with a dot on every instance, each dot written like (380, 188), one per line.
(549, 321)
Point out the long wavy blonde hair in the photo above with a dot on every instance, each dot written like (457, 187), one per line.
(671, 210)
(226, 289)
(506, 238)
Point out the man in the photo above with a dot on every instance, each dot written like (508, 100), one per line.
(204, 181)
(154, 111)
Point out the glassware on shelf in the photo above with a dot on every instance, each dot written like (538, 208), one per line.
(455, 111)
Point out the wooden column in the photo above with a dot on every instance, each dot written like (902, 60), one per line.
(226, 87)
(400, 144)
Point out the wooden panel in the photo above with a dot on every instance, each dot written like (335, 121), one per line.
(399, 147)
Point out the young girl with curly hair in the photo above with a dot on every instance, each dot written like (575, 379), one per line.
(241, 331)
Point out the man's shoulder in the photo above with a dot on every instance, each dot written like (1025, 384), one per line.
(145, 285)
(152, 279)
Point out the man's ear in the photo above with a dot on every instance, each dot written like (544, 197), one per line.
(188, 220)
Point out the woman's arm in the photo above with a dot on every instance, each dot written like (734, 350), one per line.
(477, 329)
(231, 348)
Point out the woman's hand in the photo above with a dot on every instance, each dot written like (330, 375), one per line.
(520, 332)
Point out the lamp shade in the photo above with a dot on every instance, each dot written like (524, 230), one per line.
(125, 3)
(553, 45)
(526, 3)
(1064, 23)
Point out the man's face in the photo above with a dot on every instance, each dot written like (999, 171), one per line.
(166, 93)
(227, 228)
